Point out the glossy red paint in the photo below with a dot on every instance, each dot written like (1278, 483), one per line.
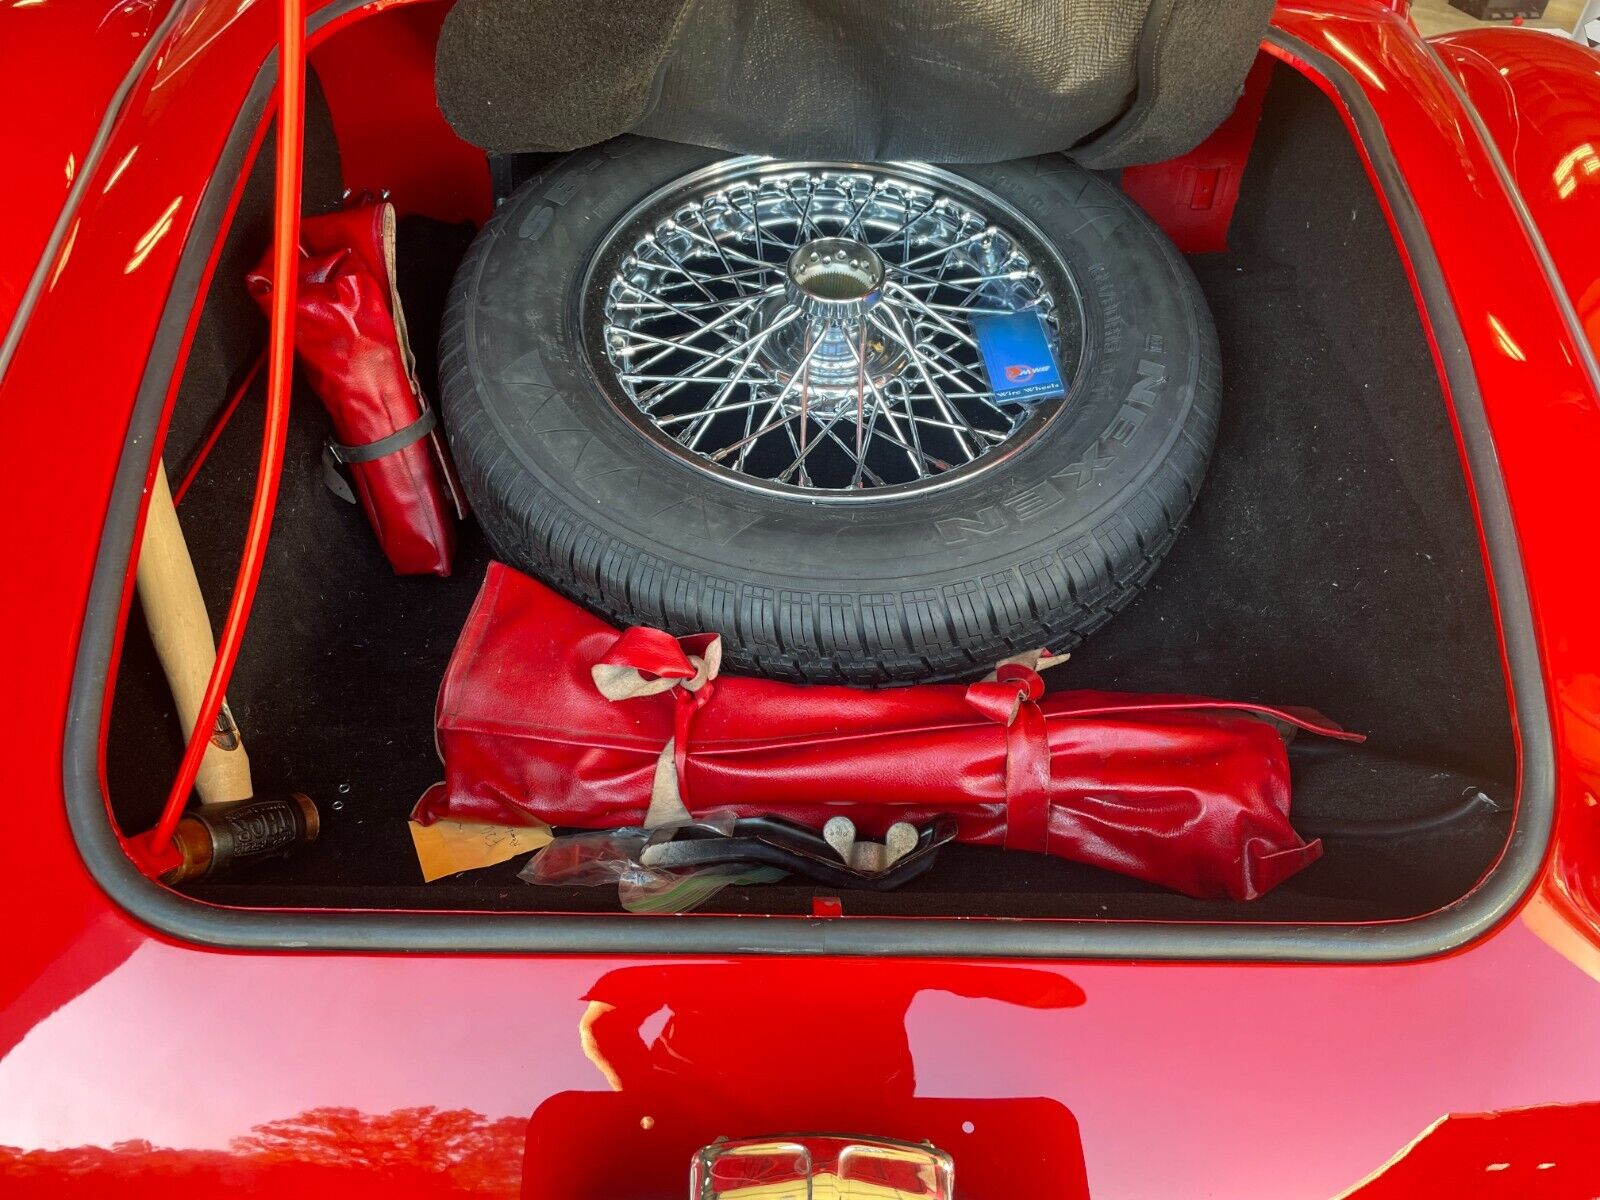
(430, 1075)
(1541, 423)
(64, 108)
(1542, 1151)
(377, 75)
(1192, 196)
(1536, 94)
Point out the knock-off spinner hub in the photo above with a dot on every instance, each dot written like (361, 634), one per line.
(840, 354)
(833, 279)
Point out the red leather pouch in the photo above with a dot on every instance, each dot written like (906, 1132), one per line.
(350, 339)
(549, 713)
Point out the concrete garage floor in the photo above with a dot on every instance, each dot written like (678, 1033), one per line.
(1437, 16)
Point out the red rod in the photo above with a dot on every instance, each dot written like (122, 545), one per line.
(280, 367)
(218, 426)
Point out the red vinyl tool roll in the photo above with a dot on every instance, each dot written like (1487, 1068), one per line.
(547, 712)
(350, 339)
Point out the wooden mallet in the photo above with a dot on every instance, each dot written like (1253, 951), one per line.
(231, 826)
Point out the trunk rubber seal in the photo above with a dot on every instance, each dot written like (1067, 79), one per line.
(1447, 929)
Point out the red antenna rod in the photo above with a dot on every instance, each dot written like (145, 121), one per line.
(280, 370)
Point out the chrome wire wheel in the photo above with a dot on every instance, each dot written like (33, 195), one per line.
(804, 327)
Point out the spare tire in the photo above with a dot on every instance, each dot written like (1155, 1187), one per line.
(746, 396)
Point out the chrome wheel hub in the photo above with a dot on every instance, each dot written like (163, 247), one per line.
(833, 279)
(832, 355)
(805, 327)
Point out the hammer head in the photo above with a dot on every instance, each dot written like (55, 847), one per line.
(215, 838)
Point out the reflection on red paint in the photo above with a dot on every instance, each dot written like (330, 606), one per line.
(321, 1152)
(829, 1053)
(1545, 1153)
(1507, 343)
(151, 238)
(1578, 162)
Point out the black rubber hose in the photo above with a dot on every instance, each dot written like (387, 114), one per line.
(1473, 802)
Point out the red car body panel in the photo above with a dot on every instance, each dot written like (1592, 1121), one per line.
(58, 112)
(1535, 94)
(392, 137)
(140, 1064)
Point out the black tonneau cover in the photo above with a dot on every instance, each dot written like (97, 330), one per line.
(1113, 81)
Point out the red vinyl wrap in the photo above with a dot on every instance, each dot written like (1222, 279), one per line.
(1180, 791)
(349, 339)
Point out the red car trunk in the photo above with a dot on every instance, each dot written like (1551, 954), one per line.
(1332, 559)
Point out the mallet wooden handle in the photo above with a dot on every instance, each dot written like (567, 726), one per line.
(175, 611)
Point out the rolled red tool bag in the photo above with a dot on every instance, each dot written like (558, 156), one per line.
(548, 712)
(350, 340)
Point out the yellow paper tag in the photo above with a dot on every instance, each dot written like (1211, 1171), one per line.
(448, 847)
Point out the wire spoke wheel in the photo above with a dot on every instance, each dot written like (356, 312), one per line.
(806, 327)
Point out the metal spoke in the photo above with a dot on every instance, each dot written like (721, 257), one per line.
(693, 281)
(723, 252)
(683, 343)
(933, 306)
(674, 345)
(968, 392)
(677, 418)
(905, 225)
(942, 363)
(938, 318)
(943, 251)
(755, 221)
(982, 282)
(715, 245)
(693, 441)
(659, 305)
(864, 425)
(972, 280)
(673, 378)
(914, 446)
(934, 423)
(927, 378)
(882, 406)
(802, 449)
(655, 396)
(672, 258)
(805, 215)
(855, 217)
(686, 313)
(777, 403)
(828, 431)
(911, 428)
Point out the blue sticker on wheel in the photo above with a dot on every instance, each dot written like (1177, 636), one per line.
(1018, 357)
